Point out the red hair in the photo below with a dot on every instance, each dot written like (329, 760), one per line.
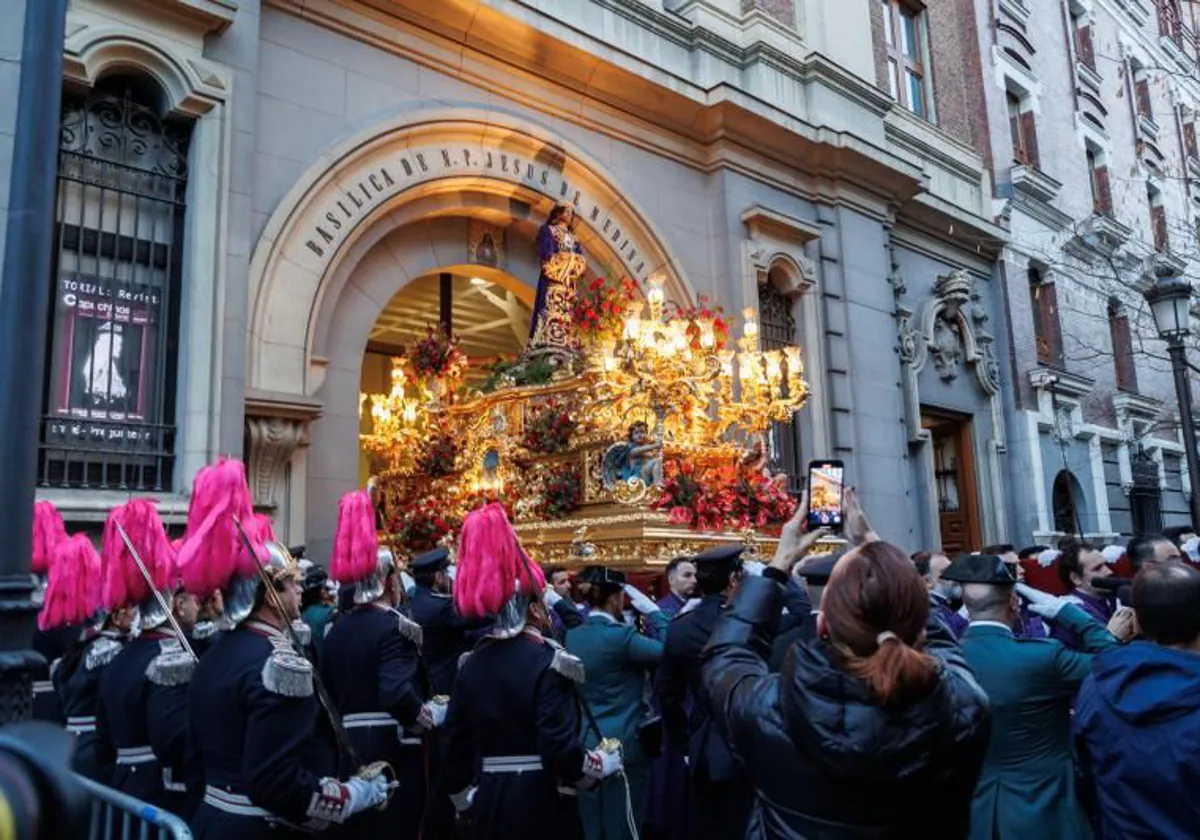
(492, 566)
(213, 552)
(124, 583)
(876, 590)
(73, 586)
(355, 543)
(48, 533)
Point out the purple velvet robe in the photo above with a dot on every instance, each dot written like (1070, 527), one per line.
(1100, 609)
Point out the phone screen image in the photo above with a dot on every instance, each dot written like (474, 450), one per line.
(825, 485)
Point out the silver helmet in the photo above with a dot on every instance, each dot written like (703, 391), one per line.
(240, 594)
(370, 588)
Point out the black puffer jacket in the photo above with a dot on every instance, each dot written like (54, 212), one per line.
(828, 763)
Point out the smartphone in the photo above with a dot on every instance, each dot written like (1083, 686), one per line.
(826, 495)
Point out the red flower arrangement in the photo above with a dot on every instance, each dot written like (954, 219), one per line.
(548, 428)
(600, 307)
(561, 493)
(439, 455)
(700, 501)
(437, 355)
(760, 501)
(694, 315)
(418, 526)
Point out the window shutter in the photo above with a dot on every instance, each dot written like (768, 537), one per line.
(1029, 139)
(1050, 349)
(1123, 353)
(1103, 192)
(1189, 140)
(1083, 47)
(1141, 89)
(1158, 218)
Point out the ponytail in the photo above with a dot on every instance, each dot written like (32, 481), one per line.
(895, 672)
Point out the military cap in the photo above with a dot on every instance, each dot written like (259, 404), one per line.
(721, 557)
(315, 578)
(817, 570)
(431, 561)
(980, 568)
(602, 576)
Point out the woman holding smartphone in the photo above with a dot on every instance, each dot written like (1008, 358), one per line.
(878, 729)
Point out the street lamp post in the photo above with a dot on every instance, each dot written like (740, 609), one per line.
(24, 303)
(1170, 301)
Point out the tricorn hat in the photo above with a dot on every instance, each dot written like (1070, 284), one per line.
(980, 568)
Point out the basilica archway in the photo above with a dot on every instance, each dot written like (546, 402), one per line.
(394, 205)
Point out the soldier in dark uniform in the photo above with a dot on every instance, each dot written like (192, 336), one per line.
(448, 635)
(73, 595)
(721, 791)
(154, 659)
(49, 533)
(258, 732)
(514, 750)
(803, 629)
(371, 664)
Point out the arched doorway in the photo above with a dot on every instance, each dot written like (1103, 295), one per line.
(387, 209)
(1068, 504)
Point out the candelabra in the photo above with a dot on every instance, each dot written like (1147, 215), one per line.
(697, 389)
(397, 419)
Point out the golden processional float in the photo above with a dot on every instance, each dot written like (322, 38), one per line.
(644, 442)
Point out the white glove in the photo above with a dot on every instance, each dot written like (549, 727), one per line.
(550, 596)
(690, 605)
(753, 568)
(1041, 603)
(600, 764)
(464, 799)
(364, 794)
(639, 600)
(436, 711)
(452, 571)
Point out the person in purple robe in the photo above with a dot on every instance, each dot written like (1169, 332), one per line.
(1079, 566)
(667, 815)
(552, 326)
(1028, 625)
(944, 595)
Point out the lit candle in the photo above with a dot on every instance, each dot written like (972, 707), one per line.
(708, 337)
(774, 365)
(633, 327)
(726, 357)
(410, 413)
(750, 328)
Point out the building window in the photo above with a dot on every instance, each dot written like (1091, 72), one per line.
(1141, 94)
(1084, 48)
(109, 407)
(1158, 220)
(1101, 192)
(1122, 345)
(1170, 21)
(1067, 500)
(777, 329)
(1189, 139)
(904, 33)
(1045, 320)
(1145, 496)
(1022, 130)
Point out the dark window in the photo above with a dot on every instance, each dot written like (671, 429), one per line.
(1145, 497)
(109, 408)
(1141, 92)
(1045, 320)
(1101, 193)
(1023, 131)
(1189, 140)
(1170, 21)
(1066, 501)
(904, 36)
(1158, 222)
(778, 330)
(1084, 48)
(1122, 344)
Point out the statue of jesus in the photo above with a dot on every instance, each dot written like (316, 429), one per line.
(552, 327)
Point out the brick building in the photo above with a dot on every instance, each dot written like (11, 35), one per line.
(1091, 109)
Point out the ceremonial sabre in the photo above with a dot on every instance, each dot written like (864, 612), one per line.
(335, 719)
(162, 602)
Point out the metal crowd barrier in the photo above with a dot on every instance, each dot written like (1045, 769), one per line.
(116, 816)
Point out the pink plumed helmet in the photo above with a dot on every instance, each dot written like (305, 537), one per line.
(213, 553)
(48, 533)
(73, 588)
(355, 543)
(124, 583)
(492, 566)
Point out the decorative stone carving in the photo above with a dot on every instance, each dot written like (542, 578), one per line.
(946, 348)
(273, 442)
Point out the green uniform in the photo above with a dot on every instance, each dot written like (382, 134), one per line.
(1027, 788)
(615, 662)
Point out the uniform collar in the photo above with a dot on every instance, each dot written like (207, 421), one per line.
(603, 617)
(261, 628)
(990, 626)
